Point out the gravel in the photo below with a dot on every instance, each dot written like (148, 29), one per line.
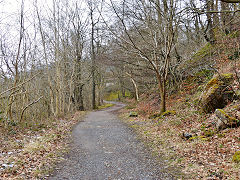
(105, 148)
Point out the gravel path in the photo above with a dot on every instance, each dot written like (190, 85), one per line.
(105, 148)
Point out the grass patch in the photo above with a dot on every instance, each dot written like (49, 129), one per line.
(105, 106)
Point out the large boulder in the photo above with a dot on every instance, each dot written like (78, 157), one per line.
(217, 93)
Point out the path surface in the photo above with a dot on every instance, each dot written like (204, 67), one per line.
(105, 148)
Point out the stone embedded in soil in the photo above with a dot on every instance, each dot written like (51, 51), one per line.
(133, 114)
(225, 120)
(187, 135)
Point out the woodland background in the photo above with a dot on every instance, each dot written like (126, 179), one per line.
(64, 56)
(61, 56)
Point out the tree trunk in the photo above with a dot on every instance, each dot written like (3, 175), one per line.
(93, 60)
(136, 89)
(78, 97)
(162, 92)
(216, 15)
(211, 38)
(225, 18)
(163, 102)
(93, 90)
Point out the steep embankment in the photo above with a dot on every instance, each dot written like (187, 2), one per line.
(188, 137)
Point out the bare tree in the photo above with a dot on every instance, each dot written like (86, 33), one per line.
(160, 20)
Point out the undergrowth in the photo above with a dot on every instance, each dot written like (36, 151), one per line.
(32, 154)
(207, 155)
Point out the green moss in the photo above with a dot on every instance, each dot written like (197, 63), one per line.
(213, 82)
(133, 114)
(215, 91)
(204, 73)
(218, 80)
(236, 157)
(159, 115)
(228, 76)
(204, 51)
(134, 126)
(130, 107)
(167, 113)
(200, 55)
(116, 95)
(179, 160)
(221, 135)
(193, 138)
(208, 133)
(230, 118)
(128, 94)
(105, 106)
(234, 34)
(204, 139)
(112, 96)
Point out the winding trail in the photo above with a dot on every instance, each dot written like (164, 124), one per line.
(105, 148)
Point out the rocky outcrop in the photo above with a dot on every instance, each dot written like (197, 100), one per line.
(217, 93)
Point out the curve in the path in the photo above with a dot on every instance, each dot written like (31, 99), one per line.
(105, 148)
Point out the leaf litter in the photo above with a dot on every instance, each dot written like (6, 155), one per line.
(33, 154)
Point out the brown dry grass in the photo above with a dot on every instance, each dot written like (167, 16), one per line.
(32, 154)
(200, 158)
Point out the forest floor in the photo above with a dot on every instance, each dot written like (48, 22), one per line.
(208, 155)
(32, 153)
(105, 148)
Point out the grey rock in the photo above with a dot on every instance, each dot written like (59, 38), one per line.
(187, 135)
(222, 120)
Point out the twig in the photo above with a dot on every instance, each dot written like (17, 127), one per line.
(19, 85)
(24, 109)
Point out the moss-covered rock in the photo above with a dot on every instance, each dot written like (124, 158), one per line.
(204, 73)
(158, 115)
(198, 58)
(133, 114)
(225, 120)
(236, 157)
(203, 52)
(168, 113)
(216, 94)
